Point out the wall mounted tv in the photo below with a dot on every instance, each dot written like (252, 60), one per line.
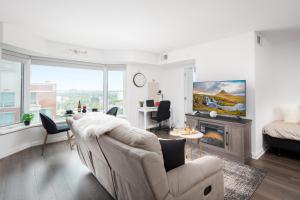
(224, 97)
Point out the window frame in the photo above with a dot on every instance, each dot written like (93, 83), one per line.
(124, 87)
(22, 59)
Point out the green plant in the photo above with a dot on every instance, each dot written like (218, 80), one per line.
(141, 103)
(27, 117)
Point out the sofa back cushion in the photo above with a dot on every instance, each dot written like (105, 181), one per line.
(138, 174)
(137, 138)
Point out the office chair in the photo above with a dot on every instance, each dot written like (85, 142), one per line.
(53, 128)
(163, 113)
(113, 111)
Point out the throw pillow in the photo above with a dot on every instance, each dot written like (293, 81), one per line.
(173, 152)
(291, 113)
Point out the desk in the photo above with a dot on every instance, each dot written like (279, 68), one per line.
(145, 111)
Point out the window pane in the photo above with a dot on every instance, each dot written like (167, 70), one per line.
(57, 89)
(116, 90)
(10, 92)
(7, 118)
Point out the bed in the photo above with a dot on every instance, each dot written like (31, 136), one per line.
(282, 135)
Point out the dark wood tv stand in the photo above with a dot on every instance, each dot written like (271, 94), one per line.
(236, 136)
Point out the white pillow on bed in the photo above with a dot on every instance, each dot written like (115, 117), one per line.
(291, 113)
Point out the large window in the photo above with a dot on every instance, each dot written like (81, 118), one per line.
(116, 90)
(10, 92)
(54, 86)
(57, 89)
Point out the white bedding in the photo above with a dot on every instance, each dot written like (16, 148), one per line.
(283, 130)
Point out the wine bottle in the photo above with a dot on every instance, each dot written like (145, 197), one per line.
(79, 106)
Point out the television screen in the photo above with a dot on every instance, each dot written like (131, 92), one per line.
(224, 97)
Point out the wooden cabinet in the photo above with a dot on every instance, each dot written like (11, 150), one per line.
(236, 135)
(235, 140)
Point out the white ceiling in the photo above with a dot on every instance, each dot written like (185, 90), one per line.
(150, 25)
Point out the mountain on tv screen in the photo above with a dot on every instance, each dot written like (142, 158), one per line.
(224, 97)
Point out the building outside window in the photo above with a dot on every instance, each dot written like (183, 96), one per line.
(7, 118)
(10, 92)
(7, 99)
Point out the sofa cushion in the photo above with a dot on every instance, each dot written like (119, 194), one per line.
(137, 138)
(173, 152)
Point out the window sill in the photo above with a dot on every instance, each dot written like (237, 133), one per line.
(20, 126)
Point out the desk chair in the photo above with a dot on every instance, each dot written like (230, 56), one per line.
(53, 128)
(113, 111)
(163, 113)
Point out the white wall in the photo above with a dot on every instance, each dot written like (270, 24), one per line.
(60, 50)
(226, 59)
(22, 38)
(23, 41)
(173, 90)
(135, 94)
(277, 75)
(16, 141)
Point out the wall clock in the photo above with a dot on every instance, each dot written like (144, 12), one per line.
(139, 80)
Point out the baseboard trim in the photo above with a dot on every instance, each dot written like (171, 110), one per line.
(260, 154)
(32, 144)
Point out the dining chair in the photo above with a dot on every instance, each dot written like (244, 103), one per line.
(53, 128)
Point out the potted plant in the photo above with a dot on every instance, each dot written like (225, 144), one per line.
(27, 118)
(141, 103)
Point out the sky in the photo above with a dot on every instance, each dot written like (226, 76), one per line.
(235, 87)
(76, 78)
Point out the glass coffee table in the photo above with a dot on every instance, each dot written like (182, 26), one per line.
(189, 136)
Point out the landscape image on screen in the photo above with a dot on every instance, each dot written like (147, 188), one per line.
(224, 97)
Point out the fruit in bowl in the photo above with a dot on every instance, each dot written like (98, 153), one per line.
(187, 129)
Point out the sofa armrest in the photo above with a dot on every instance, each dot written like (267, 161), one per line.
(183, 178)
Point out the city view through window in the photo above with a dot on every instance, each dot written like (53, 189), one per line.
(57, 89)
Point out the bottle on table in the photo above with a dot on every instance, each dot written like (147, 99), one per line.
(79, 106)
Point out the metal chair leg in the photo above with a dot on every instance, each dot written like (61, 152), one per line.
(69, 140)
(45, 142)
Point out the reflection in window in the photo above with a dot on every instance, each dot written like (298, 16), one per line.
(7, 118)
(7, 99)
(10, 92)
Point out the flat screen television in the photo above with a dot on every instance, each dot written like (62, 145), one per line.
(224, 97)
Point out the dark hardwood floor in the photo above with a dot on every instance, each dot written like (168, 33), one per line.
(60, 175)
(283, 176)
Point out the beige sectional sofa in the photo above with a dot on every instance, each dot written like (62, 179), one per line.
(128, 162)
